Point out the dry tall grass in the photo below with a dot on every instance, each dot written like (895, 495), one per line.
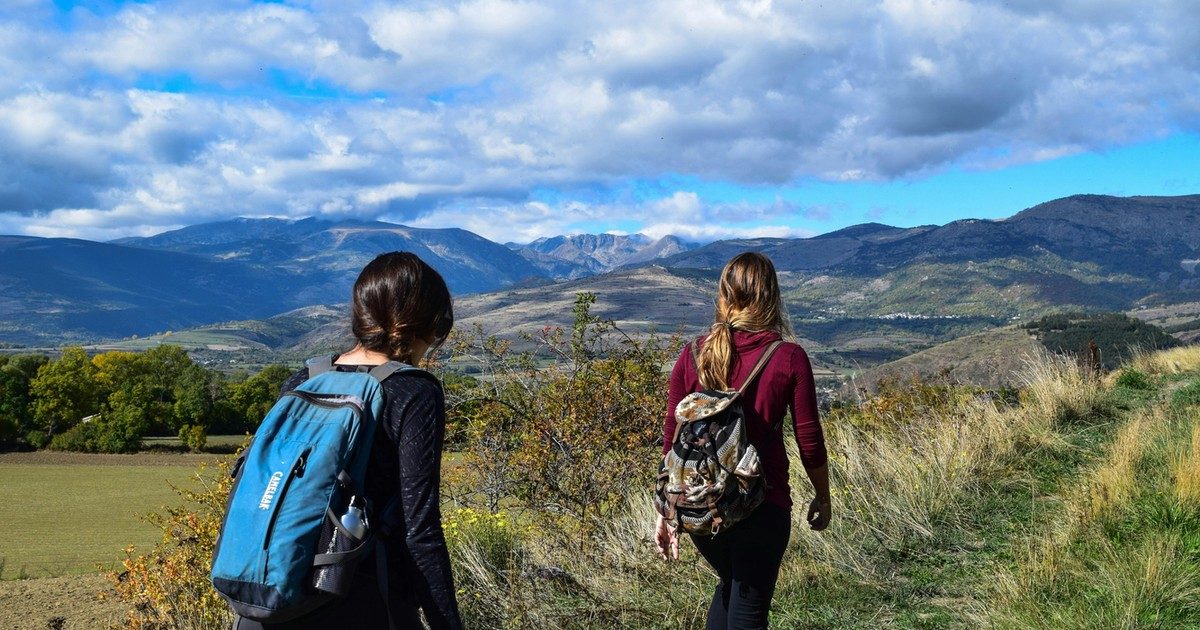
(1185, 472)
(896, 485)
(1113, 484)
(1174, 361)
(1120, 558)
(1113, 588)
(1056, 390)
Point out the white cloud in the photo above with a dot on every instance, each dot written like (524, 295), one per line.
(708, 233)
(421, 110)
(681, 212)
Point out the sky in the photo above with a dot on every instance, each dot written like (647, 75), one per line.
(702, 118)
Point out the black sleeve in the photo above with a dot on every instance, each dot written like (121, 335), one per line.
(418, 541)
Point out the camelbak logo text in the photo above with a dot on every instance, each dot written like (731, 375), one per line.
(272, 486)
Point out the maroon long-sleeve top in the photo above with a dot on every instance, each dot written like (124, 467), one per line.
(786, 383)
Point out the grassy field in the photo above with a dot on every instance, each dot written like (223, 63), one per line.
(65, 514)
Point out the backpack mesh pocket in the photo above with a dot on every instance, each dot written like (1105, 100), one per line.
(337, 578)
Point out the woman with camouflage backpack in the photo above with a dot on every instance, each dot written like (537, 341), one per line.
(744, 349)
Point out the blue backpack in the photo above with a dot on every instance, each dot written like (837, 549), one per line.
(284, 549)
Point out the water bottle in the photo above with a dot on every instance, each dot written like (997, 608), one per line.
(353, 519)
(336, 579)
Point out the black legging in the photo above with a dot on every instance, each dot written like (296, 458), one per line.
(746, 557)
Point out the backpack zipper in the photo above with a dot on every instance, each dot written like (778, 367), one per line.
(329, 401)
(296, 471)
(340, 402)
(334, 401)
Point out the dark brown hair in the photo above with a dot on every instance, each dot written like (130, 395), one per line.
(748, 299)
(400, 300)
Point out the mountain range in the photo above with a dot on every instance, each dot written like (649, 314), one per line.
(71, 290)
(1087, 251)
(581, 255)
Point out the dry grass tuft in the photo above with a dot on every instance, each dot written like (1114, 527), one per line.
(1185, 472)
(1112, 484)
(1057, 390)
(1158, 575)
(1173, 361)
(1116, 588)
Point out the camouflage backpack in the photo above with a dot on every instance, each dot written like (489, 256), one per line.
(710, 479)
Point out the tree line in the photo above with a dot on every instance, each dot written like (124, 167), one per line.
(109, 402)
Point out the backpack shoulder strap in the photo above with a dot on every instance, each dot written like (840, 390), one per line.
(758, 367)
(383, 371)
(324, 363)
(319, 365)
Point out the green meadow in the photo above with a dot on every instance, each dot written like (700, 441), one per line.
(70, 514)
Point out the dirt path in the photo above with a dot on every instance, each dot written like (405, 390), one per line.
(82, 601)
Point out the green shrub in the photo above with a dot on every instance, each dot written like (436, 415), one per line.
(96, 437)
(1186, 396)
(193, 436)
(118, 430)
(1131, 378)
(78, 438)
(37, 439)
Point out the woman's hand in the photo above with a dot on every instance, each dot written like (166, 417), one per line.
(821, 507)
(818, 514)
(667, 540)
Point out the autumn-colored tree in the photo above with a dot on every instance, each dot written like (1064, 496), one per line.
(167, 587)
(570, 438)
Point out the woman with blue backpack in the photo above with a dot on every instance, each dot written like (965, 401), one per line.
(724, 477)
(372, 551)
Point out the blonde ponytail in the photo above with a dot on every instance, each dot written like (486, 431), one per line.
(748, 299)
